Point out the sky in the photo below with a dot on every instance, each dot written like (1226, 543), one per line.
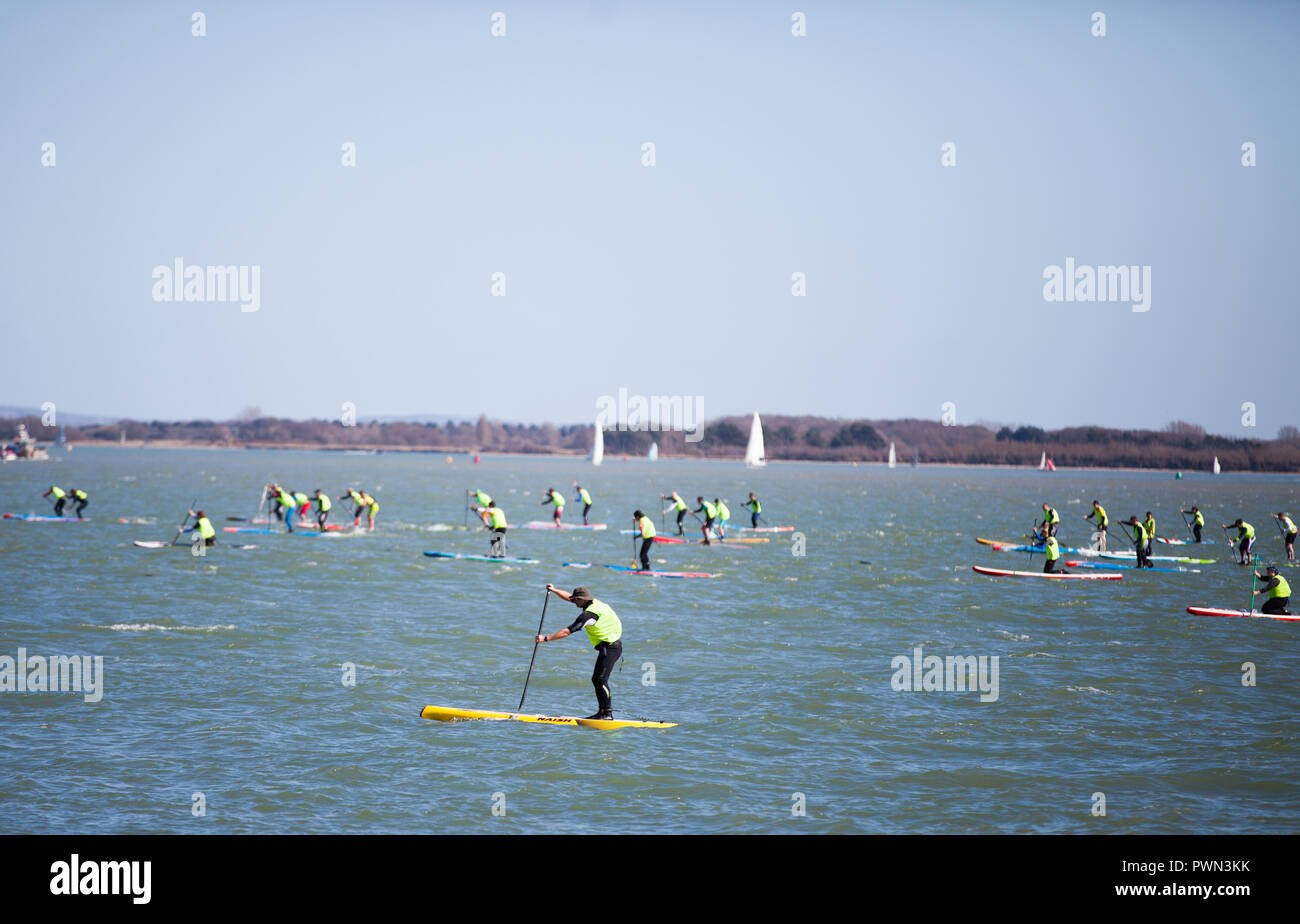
(774, 154)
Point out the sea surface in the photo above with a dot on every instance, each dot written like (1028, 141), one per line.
(226, 706)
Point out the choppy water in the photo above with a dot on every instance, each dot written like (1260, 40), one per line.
(223, 674)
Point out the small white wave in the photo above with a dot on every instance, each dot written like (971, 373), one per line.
(1085, 690)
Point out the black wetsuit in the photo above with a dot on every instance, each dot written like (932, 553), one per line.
(645, 552)
(606, 654)
(81, 503)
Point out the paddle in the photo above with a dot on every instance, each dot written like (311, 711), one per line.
(635, 563)
(188, 513)
(1281, 533)
(534, 657)
(1186, 522)
(1254, 559)
(466, 516)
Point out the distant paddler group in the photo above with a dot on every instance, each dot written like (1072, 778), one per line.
(364, 504)
(61, 496)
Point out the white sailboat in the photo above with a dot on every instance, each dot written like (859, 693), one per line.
(893, 459)
(1217, 467)
(598, 445)
(654, 452)
(1042, 463)
(755, 453)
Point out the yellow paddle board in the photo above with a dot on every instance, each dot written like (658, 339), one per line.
(445, 714)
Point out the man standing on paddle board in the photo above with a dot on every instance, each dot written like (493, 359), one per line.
(1149, 524)
(604, 631)
(1198, 520)
(755, 508)
(1246, 537)
(372, 507)
(710, 512)
(286, 505)
(724, 516)
(1052, 549)
(1102, 523)
(494, 518)
(1278, 591)
(323, 505)
(1140, 542)
(680, 506)
(1051, 520)
(60, 498)
(359, 503)
(586, 501)
(647, 530)
(1288, 531)
(81, 499)
(554, 497)
(304, 504)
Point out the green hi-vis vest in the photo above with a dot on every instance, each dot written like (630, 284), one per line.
(81, 495)
(1199, 519)
(584, 496)
(680, 504)
(1050, 516)
(498, 517)
(1139, 532)
(647, 528)
(301, 498)
(557, 499)
(1283, 589)
(607, 627)
(1290, 527)
(57, 491)
(356, 498)
(205, 528)
(1150, 525)
(1247, 531)
(1053, 549)
(285, 499)
(723, 512)
(483, 499)
(1100, 513)
(323, 501)
(754, 505)
(710, 511)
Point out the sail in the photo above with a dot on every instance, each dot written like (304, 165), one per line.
(598, 445)
(916, 456)
(654, 452)
(1050, 466)
(1042, 463)
(893, 459)
(1217, 468)
(755, 453)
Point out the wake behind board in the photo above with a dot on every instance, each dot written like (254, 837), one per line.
(1211, 611)
(547, 524)
(445, 714)
(998, 572)
(517, 561)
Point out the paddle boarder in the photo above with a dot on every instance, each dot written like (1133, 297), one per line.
(680, 506)
(80, 498)
(554, 497)
(60, 498)
(204, 528)
(287, 505)
(358, 502)
(755, 508)
(372, 507)
(1102, 522)
(271, 495)
(323, 505)
(1245, 539)
(480, 497)
(1052, 549)
(494, 518)
(647, 529)
(1139, 541)
(1198, 520)
(1278, 591)
(710, 512)
(586, 501)
(1051, 520)
(724, 517)
(1288, 533)
(604, 631)
(1149, 524)
(304, 504)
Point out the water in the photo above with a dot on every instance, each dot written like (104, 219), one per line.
(223, 674)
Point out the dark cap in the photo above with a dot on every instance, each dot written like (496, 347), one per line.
(581, 595)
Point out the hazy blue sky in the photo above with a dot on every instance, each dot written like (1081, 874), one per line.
(775, 154)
